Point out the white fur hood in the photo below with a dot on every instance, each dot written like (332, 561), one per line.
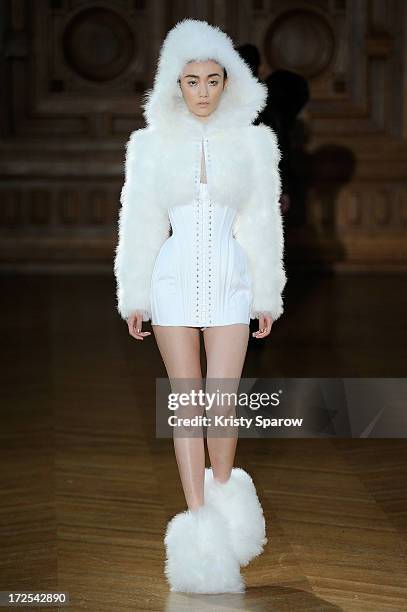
(190, 39)
(162, 170)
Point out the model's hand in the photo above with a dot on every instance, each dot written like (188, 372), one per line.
(265, 323)
(135, 323)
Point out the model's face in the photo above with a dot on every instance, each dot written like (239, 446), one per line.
(202, 85)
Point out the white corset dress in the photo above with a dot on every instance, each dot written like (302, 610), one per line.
(201, 275)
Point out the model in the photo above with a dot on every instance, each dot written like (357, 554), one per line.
(201, 168)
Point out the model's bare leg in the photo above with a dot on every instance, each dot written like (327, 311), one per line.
(226, 348)
(180, 350)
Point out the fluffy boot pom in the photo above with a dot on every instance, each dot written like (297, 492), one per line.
(200, 558)
(237, 501)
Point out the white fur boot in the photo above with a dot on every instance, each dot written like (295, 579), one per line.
(237, 500)
(200, 558)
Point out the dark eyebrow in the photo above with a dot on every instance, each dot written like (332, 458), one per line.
(197, 77)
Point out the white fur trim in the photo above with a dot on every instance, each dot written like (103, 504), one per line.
(238, 502)
(199, 556)
(143, 229)
(259, 228)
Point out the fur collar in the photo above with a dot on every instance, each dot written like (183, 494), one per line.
(164, 107)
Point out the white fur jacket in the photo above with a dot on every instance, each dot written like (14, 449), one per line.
(163, 164)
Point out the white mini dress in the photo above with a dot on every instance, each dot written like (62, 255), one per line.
(201, 275)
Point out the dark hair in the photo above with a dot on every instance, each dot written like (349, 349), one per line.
(225, 74)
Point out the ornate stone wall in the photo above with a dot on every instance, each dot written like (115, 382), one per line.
(73, 73)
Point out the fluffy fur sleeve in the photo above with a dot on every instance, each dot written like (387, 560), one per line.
(143, 228)
(259, 227)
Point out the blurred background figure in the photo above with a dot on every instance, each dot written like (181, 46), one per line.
(288, 93)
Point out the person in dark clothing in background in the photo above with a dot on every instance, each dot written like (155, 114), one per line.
(288, 93)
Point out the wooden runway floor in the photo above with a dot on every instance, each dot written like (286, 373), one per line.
(87, 489)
